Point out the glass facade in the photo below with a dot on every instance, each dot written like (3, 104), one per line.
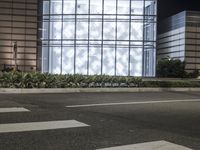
(112, 37)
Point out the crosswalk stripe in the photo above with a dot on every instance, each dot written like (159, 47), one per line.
(133, 103)
(34, 126)
(157, 145)
(13, 109)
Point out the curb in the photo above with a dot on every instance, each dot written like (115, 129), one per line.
(94, 90)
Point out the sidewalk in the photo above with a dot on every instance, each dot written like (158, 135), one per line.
(93, 90)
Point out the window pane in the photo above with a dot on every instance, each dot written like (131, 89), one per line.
(69, 7)
(136, 62)
(95, 60)
(150, 7)
(123, 7)
(55, 60)
(45, 31)
(137, 7)
(46, 7)
(45, 61)
(122, 61)
(68, 30)
(56, 6)
(109, 30)
(82, 30)
(109, 61)
(81, 60)
(136, 30)
(55, 30)
(95, 30)
(68, 60)
(110, 7)
(96, 6)
(82, 6)
(123, 30)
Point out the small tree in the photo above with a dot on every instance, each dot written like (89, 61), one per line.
(171, 68)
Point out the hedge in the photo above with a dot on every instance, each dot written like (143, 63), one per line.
(171, 84)
(40, 80)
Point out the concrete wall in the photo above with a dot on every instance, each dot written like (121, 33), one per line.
(18, 22)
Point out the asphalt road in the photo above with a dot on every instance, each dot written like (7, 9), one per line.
(118, 119)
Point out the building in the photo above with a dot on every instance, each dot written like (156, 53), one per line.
(112, 37)
(18, 23)
(179, 38)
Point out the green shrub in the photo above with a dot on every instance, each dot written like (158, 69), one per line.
(193, 74)
(171, 68)
(40, 80)
(171, 84)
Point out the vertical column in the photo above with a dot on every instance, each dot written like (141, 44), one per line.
(75, 37)
(25, 37)
(102, 37)
(11, 48)
(49, 26)
(143, 39)
(88, 53)
(40, 30)
(61, 65)
(129, 51)
(116, 39)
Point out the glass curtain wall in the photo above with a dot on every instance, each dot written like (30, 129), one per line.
(112, 37)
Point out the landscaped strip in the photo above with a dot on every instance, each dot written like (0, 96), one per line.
(44, 80)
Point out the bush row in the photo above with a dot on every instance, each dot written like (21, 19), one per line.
(171, 84)
(174, 68)
(40, 80)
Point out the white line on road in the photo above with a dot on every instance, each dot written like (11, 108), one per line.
(13, 109)
(134, 103)
(157, 145)
(34, 126)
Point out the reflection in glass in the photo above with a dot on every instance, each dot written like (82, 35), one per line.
(109, 61)
(123, 30)
(96, 6)
(56, 6)
(136, 61)
(68, 60)
(55, 54)
(122, 61)
(82, 30)
(124, 6)
(109, 30)
(81, 60)
(136, 30)
(82, 6)
(95, 60)
(137, 7)
(95, 30)
(110, 7)
(69, 7)
(68, 30)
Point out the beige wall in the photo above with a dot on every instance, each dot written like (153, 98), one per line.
(18, 22)
(192, 48)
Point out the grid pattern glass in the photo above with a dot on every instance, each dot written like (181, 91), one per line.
(111, 37)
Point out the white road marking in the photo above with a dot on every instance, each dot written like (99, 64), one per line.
(34, 126)
(13, 109)
(157, 145)
(133, 103)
